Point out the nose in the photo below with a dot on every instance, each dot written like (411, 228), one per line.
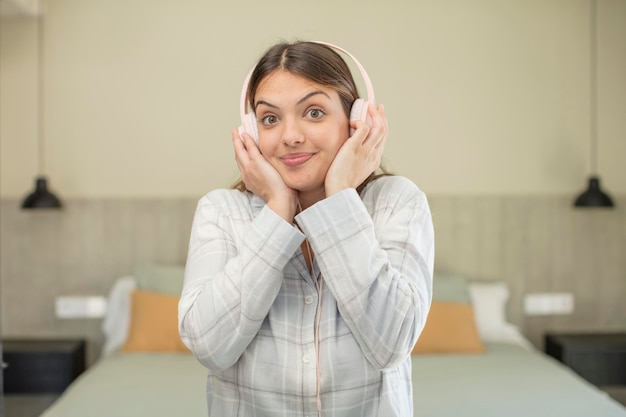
(292, 135)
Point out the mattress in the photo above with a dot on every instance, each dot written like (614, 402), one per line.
(508, 379)
(136, 385)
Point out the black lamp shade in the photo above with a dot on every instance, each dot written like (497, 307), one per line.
(593, 196)
(41, 198)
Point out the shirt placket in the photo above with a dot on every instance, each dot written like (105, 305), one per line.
(308, 358)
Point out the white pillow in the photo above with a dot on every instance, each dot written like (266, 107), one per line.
(117, 317)
(489, 300)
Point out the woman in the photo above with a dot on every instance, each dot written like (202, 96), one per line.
(302, 295)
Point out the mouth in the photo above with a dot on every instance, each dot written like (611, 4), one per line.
(296, 159)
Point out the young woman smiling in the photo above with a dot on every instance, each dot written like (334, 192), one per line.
(309, 282)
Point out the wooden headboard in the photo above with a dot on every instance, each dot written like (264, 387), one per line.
(533, 243)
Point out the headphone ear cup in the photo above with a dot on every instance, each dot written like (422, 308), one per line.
(249, 126)
(358, 111)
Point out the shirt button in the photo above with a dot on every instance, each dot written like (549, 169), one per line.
(306, 359)
(308, 299)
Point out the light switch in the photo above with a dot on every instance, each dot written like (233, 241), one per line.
(548, 303)
(80, 307)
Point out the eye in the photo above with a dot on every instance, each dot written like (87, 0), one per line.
(315, 113)
(269, 120)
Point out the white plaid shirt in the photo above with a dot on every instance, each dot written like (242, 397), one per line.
(249, 303)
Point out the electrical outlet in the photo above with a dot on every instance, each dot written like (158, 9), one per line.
(80, 307)
(548, 303)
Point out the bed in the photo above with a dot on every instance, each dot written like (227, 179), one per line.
(486, 369)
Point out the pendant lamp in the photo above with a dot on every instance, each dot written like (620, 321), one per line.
(593, 196)
(41, 197)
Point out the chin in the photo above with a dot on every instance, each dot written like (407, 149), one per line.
(304, 179)
(303, 186)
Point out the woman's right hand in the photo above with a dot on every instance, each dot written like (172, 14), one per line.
(262, 179)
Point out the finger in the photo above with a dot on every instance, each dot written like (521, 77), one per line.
(379, 117)
(239, 163)
(380, 146)
(236, 135)
(361, 132)
(383, 115)
(379, 129)
(251, 146)
(241, 154)
(241, 170)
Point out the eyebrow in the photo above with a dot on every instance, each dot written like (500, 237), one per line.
(306, 97)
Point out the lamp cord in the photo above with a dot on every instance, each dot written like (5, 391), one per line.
(593, 71)
(40, 88)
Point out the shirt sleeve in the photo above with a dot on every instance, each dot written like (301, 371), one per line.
(377, 265)
(231, 280)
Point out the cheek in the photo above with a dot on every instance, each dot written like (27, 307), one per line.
(332, 135)
(343, 129)
(341, 136)
(337, 145)
(266, 144)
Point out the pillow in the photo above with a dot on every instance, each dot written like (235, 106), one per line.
(117, 316)
(489, 300)
(450, 328)
(450, 287)
(167, 279)
(153, 323)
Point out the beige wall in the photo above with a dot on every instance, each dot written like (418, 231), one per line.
(488, 102)
(483, 96)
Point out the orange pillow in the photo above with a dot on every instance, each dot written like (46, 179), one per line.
(153, 323)
(450, 328)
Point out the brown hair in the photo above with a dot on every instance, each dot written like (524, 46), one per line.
(313, 61)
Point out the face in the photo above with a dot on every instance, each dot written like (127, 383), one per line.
(301, 126)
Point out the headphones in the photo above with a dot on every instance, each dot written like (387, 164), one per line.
(358, 110)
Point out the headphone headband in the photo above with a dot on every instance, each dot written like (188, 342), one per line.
(243, 105)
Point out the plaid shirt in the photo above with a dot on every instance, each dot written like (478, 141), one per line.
(249, 302)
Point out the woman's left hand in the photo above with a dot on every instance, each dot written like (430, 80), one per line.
(360, 155)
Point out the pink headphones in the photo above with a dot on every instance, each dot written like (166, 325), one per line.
(357, 112)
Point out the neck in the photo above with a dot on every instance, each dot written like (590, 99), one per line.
(308, 198)
(308, 255)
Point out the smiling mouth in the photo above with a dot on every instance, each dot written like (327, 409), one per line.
(296, 159)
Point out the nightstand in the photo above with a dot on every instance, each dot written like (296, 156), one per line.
(38, 371)
(600, 358)
(42, 365)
